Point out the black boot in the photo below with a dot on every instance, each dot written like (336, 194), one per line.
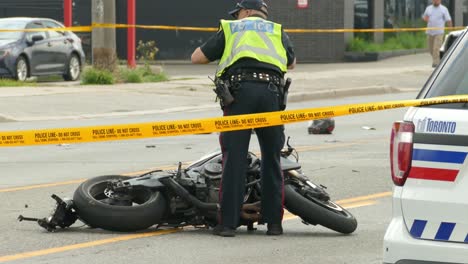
(274, 229)
(224, 231)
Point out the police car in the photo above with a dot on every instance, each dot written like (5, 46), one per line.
(429, 169)
(449, 39)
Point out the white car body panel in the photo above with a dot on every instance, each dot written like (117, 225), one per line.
(430, 212)
(399, 245)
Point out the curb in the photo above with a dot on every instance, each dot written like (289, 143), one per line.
(372, 90)
(355, 56)
(4, 119)
(294, 97)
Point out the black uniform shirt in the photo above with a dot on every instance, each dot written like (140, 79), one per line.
(214, 49)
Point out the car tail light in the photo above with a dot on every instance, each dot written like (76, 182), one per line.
(401, 151)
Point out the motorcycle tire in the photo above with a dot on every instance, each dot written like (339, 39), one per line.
(93, 208)
(315, 211)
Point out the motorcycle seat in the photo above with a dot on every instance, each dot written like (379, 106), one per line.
(287, 165)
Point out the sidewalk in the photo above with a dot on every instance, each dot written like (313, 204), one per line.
(190, 89)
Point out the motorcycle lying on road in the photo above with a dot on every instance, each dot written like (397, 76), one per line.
(190, 196)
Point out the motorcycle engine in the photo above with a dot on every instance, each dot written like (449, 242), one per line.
(213, 169)
(213, 172)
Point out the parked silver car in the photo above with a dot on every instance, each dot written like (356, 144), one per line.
(37, 53)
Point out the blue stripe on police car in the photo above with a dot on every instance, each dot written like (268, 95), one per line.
(444, 231)
(439, 156)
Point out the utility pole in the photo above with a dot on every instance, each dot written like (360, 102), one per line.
(68, 13)
(103, 39)
(377, 10)
(131, 42)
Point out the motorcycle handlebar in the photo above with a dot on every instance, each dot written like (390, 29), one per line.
(287, 152)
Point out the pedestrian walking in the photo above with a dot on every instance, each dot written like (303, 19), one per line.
(436, 16)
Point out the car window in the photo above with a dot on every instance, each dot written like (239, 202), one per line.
(51, 24)
(34, 25)
(453, 78)
(9, 24)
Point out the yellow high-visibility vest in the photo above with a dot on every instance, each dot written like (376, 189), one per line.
(255, 38)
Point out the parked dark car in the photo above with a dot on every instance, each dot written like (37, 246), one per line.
(38, 53)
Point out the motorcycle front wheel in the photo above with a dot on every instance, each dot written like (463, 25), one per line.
(99, 207)
(317, 211)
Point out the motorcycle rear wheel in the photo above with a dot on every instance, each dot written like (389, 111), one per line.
(96, 207)
(315, 211)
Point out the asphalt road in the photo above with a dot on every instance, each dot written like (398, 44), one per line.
(352, 163)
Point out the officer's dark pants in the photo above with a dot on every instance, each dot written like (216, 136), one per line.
(252, 97)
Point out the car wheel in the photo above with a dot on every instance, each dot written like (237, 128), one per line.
(73, 69)
(22, 69)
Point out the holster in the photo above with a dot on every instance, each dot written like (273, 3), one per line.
(223, 92)
(284, 89)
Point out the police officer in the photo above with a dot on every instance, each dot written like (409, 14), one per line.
(254, 54)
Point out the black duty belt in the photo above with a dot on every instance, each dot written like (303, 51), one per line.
(256, 77)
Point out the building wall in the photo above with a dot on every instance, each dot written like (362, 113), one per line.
(310, 47)
(173, 45)
(178, 45)
(32, 8)
(321, 14)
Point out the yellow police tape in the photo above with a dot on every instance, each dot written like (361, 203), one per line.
(201, 126)
(213, 29)
(369, 30)
(75, 29)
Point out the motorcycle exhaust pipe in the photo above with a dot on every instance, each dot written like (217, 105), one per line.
(179, 190)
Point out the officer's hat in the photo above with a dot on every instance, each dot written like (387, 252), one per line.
(258, 5)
